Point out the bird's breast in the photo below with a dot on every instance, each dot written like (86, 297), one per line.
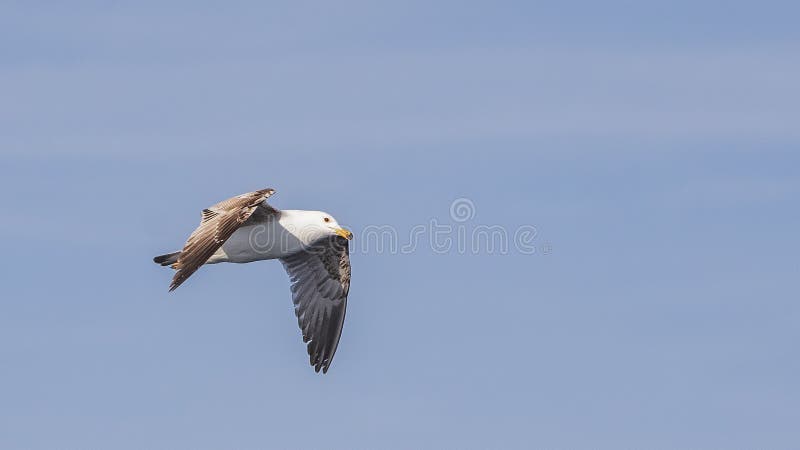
(267, 240)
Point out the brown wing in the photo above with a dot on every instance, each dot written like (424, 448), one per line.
(320, 283)
(218, 224)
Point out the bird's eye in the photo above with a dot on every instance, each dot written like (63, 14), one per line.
(327, 219)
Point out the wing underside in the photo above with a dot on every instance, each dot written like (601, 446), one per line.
(320, 280)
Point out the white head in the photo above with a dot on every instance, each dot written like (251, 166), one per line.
(310, 226)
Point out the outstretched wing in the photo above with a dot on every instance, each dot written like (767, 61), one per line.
(320, 282)
(218, 224)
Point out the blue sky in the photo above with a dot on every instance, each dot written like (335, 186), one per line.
(653, 146)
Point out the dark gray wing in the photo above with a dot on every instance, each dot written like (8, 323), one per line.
(320, 279)
(217, 225)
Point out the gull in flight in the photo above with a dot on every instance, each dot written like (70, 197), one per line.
(311, 245)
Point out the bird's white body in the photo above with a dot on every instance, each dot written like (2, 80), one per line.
(285, 233)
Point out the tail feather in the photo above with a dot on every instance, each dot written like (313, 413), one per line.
(168, 259)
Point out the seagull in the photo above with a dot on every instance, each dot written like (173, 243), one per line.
(311, 245)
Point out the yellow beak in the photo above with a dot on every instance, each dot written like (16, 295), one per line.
(344, 233)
